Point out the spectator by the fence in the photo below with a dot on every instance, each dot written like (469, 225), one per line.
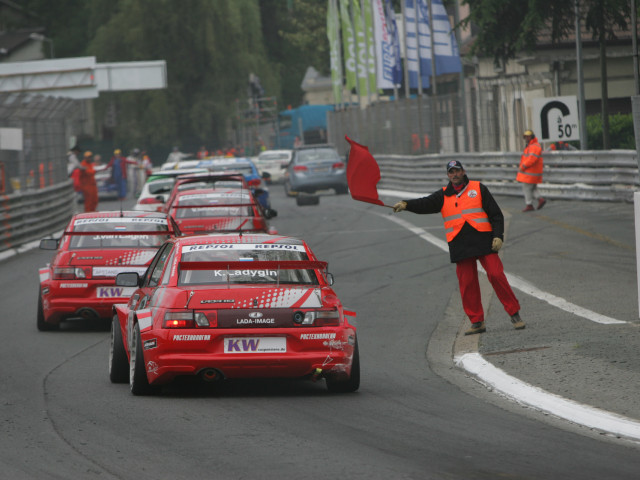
(88, 184)
(530, 171)
(73, 161)
(559, 146)
(474, 226)
(118, 165)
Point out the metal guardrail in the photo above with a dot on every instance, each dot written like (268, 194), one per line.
(32, 214)
(572, 175)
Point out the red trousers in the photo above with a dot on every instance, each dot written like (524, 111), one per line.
(467, 271)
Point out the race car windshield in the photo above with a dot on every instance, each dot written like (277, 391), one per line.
(246, 275)
(118, 233)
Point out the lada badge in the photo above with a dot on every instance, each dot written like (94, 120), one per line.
(255, 315)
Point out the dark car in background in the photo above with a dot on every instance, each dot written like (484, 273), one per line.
(313, 168)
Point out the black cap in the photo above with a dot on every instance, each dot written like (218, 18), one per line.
(454, 164)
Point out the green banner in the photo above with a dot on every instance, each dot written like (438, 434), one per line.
(333, 29)
(349, 46)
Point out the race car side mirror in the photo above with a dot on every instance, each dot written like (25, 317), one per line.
(128, 279)
(49, 244)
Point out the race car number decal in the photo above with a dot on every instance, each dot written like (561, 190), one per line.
(255, 345)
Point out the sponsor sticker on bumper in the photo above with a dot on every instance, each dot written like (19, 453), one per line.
(114, 292)
(255, 345)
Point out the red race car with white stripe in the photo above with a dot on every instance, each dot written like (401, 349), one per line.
(233, 306)
(93, 249)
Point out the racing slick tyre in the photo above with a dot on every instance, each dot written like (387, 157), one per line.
(138, 382)
(287, 189)
(118, 363)
(353, 383)
(43, 326)
(302, 200)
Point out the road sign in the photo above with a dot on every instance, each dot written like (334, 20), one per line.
(556, 119)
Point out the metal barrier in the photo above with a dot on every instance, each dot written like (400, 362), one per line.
(572, 175)
(33, 214)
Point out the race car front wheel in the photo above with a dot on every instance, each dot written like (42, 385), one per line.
(138, 382)
(118, 364)
(353, 383)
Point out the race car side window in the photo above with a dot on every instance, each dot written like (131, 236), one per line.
(156, 272)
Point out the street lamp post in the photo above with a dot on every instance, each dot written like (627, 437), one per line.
(41, 38)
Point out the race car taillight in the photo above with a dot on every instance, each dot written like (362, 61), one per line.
(318, 318)
(149, 200)
(71, 273)
(254, 182)
(190, 319)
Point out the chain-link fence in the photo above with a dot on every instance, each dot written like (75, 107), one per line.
(40, 126)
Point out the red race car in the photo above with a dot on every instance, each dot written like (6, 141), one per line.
(232, 306)
(94, 248)
(218, 210)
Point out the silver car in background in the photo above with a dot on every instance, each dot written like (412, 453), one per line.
(313, 168)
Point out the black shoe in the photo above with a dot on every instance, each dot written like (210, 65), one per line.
(476, 328)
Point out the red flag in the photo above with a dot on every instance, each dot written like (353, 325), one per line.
(363, 174)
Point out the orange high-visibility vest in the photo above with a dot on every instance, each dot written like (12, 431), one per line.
(531, 163)
(464, 208)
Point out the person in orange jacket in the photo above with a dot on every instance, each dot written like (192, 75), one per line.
(88, 184)
(530, 172)
(474, 226)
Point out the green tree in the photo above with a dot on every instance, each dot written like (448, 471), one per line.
(506, 28)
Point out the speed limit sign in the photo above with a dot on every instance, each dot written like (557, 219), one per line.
(556, 118)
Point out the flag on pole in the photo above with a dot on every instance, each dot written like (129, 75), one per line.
(363, 174)
(371, 51)
(387, 45)
(333, 29)
(361, 47)
(349, 46)
(444, 41)
(418, 43)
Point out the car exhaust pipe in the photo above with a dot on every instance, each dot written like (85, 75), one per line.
(88, 313)
(211, 375)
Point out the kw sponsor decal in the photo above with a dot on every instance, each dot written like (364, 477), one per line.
(255, 345)
(317, 336)
(110, 292)
(191, 338)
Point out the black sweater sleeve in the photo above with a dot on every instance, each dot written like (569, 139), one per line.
(431, 204)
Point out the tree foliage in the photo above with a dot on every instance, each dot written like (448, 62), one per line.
(507, 27)
(210, 48)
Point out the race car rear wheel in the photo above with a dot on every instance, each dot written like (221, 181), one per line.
(353, 383)
(118, 364)
(43, 326)
(138, 382)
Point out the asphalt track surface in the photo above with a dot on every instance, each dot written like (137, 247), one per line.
(419, 413)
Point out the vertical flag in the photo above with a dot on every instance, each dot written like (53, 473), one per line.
(333, 28)
(361, 46)
(349, 47)
(371, 57)
(444, 41)
(418, 43)
(387, 45)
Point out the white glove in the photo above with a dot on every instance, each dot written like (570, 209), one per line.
(496, 244)
(398, 207)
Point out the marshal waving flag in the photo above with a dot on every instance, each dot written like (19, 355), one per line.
(363, 174)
